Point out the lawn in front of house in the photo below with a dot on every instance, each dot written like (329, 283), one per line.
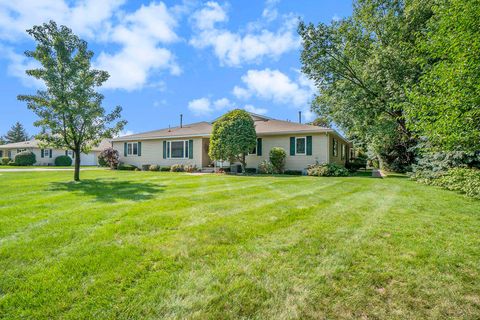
(150, 245)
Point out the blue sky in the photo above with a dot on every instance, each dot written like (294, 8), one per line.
(198, 58)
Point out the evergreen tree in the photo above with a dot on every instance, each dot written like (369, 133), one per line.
(16, 134)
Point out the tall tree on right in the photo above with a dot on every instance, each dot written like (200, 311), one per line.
(445, 104)
(17, 133)
(362, 65)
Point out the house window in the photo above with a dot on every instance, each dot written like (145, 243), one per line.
(21, 150)
(132, 148)
(46, 153)
(335, 147)
(71, 154)
(178, 149)
(344, 151)
(300, 145)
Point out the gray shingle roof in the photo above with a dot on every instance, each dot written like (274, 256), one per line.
(106, 143)
(263, 126)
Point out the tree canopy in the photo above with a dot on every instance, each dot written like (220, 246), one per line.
(17, 133)
(69, 108)
(233, 137)
(362, 65)
(445, 104)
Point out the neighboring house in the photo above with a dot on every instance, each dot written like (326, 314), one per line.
(46, 156)
(188, 145)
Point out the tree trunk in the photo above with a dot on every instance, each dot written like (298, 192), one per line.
(243, 162)
(76, 175)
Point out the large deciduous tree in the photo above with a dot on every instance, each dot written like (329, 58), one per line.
(362, 66)
(17, 133)
(445, 105)
(69, 108)
(233, 137)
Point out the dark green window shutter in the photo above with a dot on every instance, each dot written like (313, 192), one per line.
(164, 149)
(66, 152)
(139, 149)
(292, 146)
(259, 146)
(42, 153)
(190, 149)
(125, 149)
(309, 145)
(50, 153)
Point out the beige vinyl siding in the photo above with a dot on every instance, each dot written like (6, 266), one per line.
(297, 162)
(47, 161)
(337, 159)
(152, 153)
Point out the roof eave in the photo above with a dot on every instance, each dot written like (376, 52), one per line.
(120, 139)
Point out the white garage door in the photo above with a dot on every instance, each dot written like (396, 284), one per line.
(88, 159)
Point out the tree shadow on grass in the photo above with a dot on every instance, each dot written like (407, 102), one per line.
(106, 190)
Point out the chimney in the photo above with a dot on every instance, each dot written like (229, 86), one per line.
(181, 120)
(299, 116)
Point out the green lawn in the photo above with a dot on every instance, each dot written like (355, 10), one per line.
(44, 167)
(151, 245)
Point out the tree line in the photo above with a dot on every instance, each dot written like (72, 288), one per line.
(400, 78)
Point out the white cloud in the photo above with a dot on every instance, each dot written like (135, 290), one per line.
(18, 65)
(270, 12)
(273, 85)
(234, 49)
(222, 103)
(85, 18)
(201, 106)
(141, 35)
(253, 109)
(124, 133)
(206, 17)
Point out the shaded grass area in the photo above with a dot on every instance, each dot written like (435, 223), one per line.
(136, 245)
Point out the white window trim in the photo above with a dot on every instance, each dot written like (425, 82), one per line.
(304, 153)
(46, 153)
(131, 144)
(185, 148)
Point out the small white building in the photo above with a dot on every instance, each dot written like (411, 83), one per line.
(46, 156)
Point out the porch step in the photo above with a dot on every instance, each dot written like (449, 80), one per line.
(208, 170)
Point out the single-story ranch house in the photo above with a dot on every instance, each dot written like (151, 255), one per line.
(188, 145)
(46, 156)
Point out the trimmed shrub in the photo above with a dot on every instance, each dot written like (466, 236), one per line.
(358, 163)
(277, 159)
(265, 167)
(177, 168)
(127, 167)
(109, 158)
(464, 180)
(165, 169)
(63, 161)
(327, 170)
(154, 167)
(25, 158)
(5, 160)
(293, 172)
(190, 168)
(250, 170)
